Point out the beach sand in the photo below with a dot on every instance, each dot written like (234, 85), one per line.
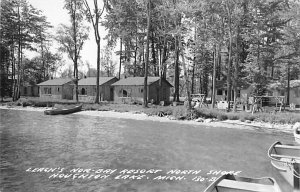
(235, 124)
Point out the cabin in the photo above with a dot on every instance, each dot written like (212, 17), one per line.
(29, 90)
(131, 89)
(278, 89)
(61, 88)
(243, 91)
(87, 89)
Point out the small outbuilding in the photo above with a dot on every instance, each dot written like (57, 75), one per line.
(29, 90)
(131, 89)
(57, 89)
(87, 89)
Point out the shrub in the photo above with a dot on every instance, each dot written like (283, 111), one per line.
(179, 112)
(222, 117)
(233, 116)
(250, 117)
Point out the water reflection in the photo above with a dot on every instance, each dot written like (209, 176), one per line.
(31, 139)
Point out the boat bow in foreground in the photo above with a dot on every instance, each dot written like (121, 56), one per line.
(230, 183)
(286, 159)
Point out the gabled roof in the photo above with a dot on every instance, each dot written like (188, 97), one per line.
(134, 81)
(93, 80)
(60, 81)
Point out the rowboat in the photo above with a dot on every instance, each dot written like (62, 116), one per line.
(63, 109)
(286, 159)
(232, 183)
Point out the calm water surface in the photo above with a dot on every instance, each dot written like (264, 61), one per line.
(34, 140)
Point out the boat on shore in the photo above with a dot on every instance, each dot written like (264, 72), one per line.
(285, 158)
(229, 182)
(63, 109)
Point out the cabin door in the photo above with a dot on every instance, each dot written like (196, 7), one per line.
(111, 94)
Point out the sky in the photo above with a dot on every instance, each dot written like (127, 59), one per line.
(56, 14)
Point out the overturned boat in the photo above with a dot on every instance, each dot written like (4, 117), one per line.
(63, 109)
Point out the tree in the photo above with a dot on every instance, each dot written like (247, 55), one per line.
(147, 55)
(21, 25)
(94, 16)
(107, 62)
(71, 38)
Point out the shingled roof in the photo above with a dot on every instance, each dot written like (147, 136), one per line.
(58, 82)
(138, 81)
(92, 80)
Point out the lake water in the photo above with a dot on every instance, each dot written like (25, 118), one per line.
(83, 153)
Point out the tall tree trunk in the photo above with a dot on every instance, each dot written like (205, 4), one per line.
(176, 80)
(135, 56)
(13, 66)
(236, 69)
(98, 71)
(73, 16)
(147, 57)
(186, 77)
(164, 54)
(120, 65)
(288, 85)
(153, 55)
(229, 57)
(216, 56)
(194, 60)
(229, 73)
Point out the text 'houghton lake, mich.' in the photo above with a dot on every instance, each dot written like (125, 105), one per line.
(130, 174)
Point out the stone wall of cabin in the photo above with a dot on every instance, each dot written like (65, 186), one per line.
(67, 91)
(89, 93)
(56, 92)
(128, 93)
(136, 93)
(51, 92)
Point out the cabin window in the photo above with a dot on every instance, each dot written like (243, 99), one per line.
(124, 93)
(142, 90)
(83, 91)
(219, 92)
(238, 93)
(57, 89)
(47, 90)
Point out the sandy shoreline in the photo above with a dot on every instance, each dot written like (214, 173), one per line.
(235, 124)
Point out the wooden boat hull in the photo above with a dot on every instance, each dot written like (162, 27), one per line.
(286, 160)
(63, 111)
(231, 183)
